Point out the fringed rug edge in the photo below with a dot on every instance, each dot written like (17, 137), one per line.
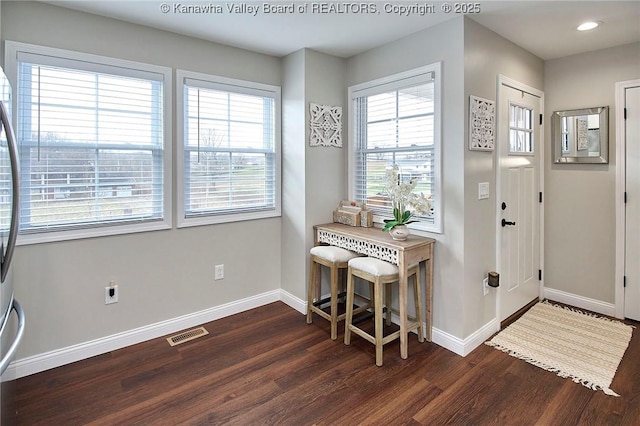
(551, 369)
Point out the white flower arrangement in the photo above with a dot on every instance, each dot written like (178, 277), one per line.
(404, 200)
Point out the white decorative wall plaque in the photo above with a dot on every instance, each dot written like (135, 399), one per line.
(326, 125)
(482, 119)
(582, 134)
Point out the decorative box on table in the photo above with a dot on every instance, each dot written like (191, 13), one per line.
(366, 218)
(353, 214)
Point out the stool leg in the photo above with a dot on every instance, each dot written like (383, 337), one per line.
(387, 295)
(334, 302)
(349, 314)
(371, 297)
(311, 291)
(417, 296)
(378, 321)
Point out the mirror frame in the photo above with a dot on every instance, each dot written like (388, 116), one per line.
(556, 135)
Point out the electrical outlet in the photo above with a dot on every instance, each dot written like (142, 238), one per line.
(219, 272)
(111, 293)
(485, 286)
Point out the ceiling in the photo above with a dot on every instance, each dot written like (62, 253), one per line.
(544, 28)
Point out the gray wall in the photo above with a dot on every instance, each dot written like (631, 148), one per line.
(313, 177)
(294, 195)
(486, 55)
(326, 180)
(326, 166)
(161, 275)
(580, 199)
(443, 43)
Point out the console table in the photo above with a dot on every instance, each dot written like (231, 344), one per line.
(375, 243)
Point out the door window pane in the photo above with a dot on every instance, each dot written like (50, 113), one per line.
(520, 130)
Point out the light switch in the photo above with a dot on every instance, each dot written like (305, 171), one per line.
(483, 190)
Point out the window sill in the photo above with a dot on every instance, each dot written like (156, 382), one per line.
(93, 232)
(226, 218)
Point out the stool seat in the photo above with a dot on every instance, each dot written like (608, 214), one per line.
(333, 254)
(373, 266)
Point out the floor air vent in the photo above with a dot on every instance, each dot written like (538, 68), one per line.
(185, 336)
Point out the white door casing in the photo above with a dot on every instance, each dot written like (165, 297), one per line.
(621, 158)
(519, 184)
(631, 133)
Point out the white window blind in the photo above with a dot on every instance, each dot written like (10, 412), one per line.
(91, 139)
(395, 122)
(230, 151)
(6, 183)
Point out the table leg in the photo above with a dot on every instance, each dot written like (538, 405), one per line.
(429, 296)
(402, 302)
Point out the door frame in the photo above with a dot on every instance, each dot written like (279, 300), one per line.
(506, 81)
(621, 174)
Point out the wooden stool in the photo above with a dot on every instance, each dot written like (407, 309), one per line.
(379, 273)
(336, 259)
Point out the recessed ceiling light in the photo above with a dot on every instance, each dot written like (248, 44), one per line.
(588, 26)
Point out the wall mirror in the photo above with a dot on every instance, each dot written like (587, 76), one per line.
(581, 135)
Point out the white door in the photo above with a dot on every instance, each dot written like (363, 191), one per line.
(632, 206)
(519, 152)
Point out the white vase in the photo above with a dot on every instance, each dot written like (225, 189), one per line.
(399, 232)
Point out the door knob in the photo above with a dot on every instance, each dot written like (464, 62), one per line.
(505, 222)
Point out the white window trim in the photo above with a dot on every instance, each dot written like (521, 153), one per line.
(11, 67)
(368, 88)
(212, 80)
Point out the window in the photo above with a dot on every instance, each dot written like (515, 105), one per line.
(93, 144)
(520, 130)
(229, 160)
(396, 120)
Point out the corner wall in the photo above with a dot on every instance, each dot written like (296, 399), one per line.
(472, 58)
(580, 199)
(487, 55)
(325, 166)
(313, 177)
(441, 43)
(294, 233)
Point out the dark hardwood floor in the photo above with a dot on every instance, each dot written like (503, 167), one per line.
(267, 366)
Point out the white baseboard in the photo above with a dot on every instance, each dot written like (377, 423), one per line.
(463, 347)
(582, 302)
(56, 358)
(293, 301)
